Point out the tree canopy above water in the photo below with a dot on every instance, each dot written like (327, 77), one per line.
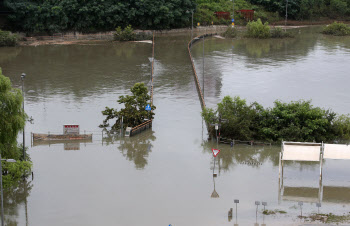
(12, 118)
(294, 121)
(134, 112)
(96, 15)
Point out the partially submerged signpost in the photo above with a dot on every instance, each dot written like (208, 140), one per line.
(214, 194)
(215, 152)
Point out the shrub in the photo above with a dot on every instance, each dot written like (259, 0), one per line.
(256, 29)
(279, 33)
(128, 34)
(230, 32)
(7, 38)
(338, 29)
(294, 121)
(124, 35)
(342, 127)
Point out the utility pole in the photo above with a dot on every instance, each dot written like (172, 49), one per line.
(233, 13)
(24, 138)
(285, 22)
(203, 67)
(192, 28)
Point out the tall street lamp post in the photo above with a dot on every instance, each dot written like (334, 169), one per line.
(2, 194)
(24, 146)
(285, 22)
(192, 26)
(233, 13)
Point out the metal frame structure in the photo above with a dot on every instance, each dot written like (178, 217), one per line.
(338, 152)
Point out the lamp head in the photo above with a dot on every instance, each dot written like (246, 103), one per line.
(23, 76)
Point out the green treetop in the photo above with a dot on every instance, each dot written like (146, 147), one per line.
(12, 118)
(134, 112)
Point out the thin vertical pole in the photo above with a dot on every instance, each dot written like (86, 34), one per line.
(203, 67)
(285, 22)
(25, 201)
(236, 213)
(214, 167)
(192, 29)
(279, 165)
(320, 191)
(2, 195)
(321, 165)
(279, 190)
(24, 139)
(233, 12)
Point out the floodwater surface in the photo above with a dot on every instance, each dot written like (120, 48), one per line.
(166, 175)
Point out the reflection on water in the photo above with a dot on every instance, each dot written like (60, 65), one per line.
(252, 156)
(14, 198)
(67, 144)
(214, 194)
(135, 148)
(8, 54)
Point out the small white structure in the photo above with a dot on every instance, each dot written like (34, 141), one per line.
(128, 131)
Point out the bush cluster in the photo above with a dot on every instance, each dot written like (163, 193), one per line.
(7, 38)
(256, 29)
(230, 32)
(128, 34)
(338, 29)
(294, 121)
(15, 171)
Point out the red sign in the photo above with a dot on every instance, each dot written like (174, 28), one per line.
(215, 152)
(71, 126)
(71, 129)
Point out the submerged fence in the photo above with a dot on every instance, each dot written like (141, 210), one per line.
(147, 124)
(199, 89)
(189, 46)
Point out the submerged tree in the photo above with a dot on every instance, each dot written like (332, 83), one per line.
(12, 121)
(134, 112)
(12, 118)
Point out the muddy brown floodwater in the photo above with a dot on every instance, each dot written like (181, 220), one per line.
(165, 175)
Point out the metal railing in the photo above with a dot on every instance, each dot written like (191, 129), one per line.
(142, 127)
